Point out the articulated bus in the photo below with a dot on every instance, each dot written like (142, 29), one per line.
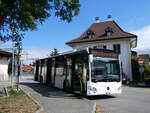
(87, 72)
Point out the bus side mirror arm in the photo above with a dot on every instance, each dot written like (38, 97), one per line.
(91, 58)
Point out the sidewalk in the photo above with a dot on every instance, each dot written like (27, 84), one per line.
(4, 84)
(56, 101)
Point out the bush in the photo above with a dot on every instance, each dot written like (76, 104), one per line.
(135, 68)
(146, 70)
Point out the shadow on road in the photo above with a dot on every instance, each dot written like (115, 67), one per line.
(46, 91)
(100, 97)
(49, 92)
(56, 93)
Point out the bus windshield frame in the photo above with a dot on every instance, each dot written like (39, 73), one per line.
(105, 70)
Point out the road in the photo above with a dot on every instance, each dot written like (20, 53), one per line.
(53, 100)
(132, 100)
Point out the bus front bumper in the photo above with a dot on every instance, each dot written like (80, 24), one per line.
(104, 88)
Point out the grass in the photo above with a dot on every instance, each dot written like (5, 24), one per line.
(1, 94)
(17, 102)
(98, 109)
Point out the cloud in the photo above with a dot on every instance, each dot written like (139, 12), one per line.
(31, 54)
(143, 43)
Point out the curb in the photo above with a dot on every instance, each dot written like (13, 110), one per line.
(6, 91)
(93, 107)
(41, 108)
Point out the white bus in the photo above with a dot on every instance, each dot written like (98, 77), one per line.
(87, 72)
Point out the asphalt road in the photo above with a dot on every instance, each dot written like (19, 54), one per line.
(53, 100)
(132, 100)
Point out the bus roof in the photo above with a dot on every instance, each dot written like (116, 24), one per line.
(77, 51)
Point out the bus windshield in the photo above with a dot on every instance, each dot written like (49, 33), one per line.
(105, 69)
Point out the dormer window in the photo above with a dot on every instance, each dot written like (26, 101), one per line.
(90, 34)
(109, 31)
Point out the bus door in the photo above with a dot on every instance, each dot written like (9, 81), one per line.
(37, 71)
(80, 74)
(67, 82)
(53, 70)
(48, 74)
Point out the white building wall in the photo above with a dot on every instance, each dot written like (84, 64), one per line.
(125, 54)
(4, 69)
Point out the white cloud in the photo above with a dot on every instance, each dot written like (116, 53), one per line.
(36, 53)
(143, 43)
(31, 54)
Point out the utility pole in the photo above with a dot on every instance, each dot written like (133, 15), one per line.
(16, 43)
(13, 56)
(18, 65)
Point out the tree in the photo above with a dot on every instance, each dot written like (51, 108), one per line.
(18, 16)
(25, 15)
(135, 68)
(54, 52)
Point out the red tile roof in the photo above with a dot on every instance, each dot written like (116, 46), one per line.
(99, 30)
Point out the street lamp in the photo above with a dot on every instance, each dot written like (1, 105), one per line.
(16, 42)
(13, 56)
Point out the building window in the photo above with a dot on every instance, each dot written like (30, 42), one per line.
(116, 48)
(104, 47)
(109, 31)
(90, 34)
(100, 47)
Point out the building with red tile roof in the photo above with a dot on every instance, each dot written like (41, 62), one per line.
(108, 35)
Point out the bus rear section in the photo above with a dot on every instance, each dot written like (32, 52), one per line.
(105, 74)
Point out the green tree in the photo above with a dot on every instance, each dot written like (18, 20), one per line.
(54, 52)
(18, 16)
(23, 15)
(135, 68)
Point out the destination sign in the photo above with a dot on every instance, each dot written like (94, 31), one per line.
(104, 54)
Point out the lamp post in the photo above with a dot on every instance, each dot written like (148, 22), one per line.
(18, 65)
(13, 56)
(16, 43)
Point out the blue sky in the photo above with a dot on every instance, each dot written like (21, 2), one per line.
(131, 15)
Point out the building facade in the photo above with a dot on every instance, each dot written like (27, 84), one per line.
(108, 35)
(4, 61)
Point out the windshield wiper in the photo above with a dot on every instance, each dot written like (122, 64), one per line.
(106, 79)
(100, 80)
(113, 79)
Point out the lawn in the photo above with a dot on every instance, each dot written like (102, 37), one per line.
(17, 102)
(1, 94)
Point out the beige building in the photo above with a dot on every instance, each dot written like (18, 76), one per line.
(108, 35)
(4, 61)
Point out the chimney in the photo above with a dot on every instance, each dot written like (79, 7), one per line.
(97, 20)
(109, 17)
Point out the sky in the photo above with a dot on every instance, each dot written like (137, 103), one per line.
(131, 15)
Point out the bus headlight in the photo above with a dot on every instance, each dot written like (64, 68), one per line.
(93, 89)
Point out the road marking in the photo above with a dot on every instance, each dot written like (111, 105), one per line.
(140, 89)
(147, 90)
